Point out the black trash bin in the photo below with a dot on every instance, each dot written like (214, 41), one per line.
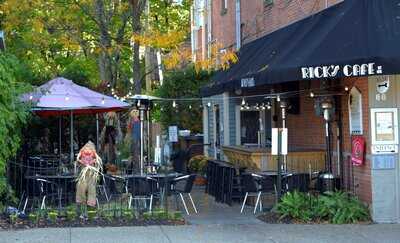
(327, 182)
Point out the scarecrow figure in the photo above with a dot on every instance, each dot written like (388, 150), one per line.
(90, 168)
(111, 135)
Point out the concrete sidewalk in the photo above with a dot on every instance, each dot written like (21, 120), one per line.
(210, 233)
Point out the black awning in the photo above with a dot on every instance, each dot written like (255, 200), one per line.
(352, 38)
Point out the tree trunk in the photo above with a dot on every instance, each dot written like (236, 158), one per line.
(137, 7)
(105, 61)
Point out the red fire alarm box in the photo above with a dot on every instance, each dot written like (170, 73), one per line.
(357, 150)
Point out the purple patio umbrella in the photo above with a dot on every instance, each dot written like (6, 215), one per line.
(61, 96)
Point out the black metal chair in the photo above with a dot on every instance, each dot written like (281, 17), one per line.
(256, 186)
(181, 185)
(40, 189)
(142, 188)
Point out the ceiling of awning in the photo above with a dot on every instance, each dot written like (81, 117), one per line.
(352, 38)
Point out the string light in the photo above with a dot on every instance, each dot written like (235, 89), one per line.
(31, 97)
(209, 104)
(346, 88)
(243, 102)
(67, 97)
(190, 107)
(103, 101)
(311, 94)
(278, 98)
(174, 104)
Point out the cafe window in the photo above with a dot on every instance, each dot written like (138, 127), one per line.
(355, 112)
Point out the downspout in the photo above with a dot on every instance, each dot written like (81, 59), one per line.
(238, 24)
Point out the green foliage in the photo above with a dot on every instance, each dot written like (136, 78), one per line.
(52, 216)
(198, 164)
(13, 218)
(83, 71)
(340, 208)
(181, 84)
(128, 214)
(71, 215)
(295, 205)
(335, 207)
(33, 217)
(108, 215)
(92, 214)
(177, 215)
(13, 115)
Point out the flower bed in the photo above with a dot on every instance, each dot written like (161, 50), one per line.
(335, 208)
(94, 219)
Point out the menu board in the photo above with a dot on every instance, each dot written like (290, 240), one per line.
(384, 126)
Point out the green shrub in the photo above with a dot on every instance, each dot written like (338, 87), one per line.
(92, 214)
(52, 216)
(71, 215)
(198, 164)
(33, 217)
(127, 214)
(335, 207)
(147, 215)
(341, 208)
(108, 215)
(295, 205)
(13, 218)
(177, 215)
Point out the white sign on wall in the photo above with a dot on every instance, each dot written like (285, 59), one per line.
(331, 71)
(384, 130)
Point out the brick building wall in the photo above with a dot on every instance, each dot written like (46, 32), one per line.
(307, 131)
(257, 18)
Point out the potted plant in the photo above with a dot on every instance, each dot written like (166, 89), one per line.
(198, 164)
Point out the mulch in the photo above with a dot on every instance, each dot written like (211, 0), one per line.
(98, 222)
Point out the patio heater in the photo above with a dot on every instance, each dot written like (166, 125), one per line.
(143, 103)
(327, 109)
(327, 181)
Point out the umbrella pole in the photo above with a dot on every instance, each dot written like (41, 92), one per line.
(141, 141)
(97, 131)
(71, 132)
(59, 137)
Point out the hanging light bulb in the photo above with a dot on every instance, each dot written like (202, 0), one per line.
(138, 103)
(241, 108)
(190, 107)
(278, 98)
(103, 101)
(31, 97)
(257, 107)
(311, 94)
(346, 88)
(209, 104)
(67, 97)
(269, 106)
(243, 101)
(174, 104)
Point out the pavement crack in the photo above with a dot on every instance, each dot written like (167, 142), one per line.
(165, 234)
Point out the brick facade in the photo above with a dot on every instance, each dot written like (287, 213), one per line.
(257, 18)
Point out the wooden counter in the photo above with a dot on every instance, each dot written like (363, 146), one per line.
(261, 159)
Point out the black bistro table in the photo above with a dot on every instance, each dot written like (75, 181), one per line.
(164, 181)
(59, 180)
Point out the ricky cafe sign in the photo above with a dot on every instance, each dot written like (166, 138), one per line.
(332, 71)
